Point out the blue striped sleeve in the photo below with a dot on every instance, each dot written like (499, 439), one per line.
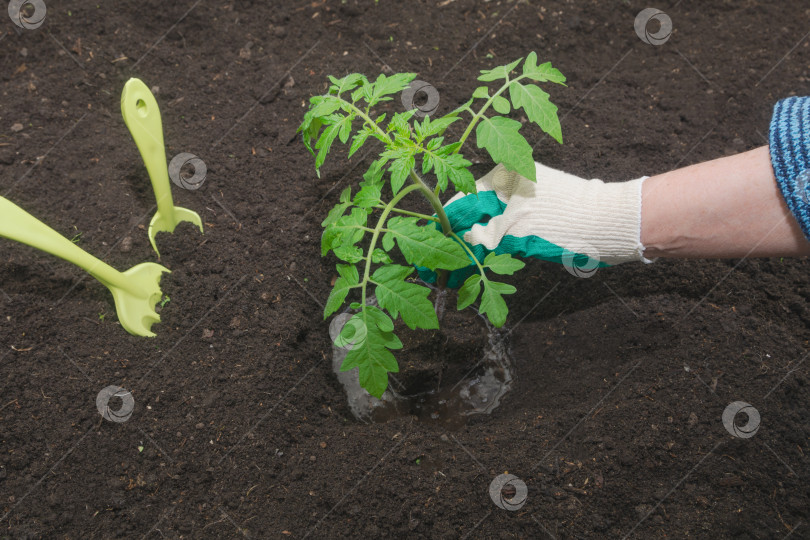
(790, 156)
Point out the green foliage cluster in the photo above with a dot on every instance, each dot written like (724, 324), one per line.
(361, 230)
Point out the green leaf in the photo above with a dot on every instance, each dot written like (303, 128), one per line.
(325, 106)
(501, 288)
(394, 84)
(380, 318)
(380, 256)
(434, 143)
(337, 125)
(400, 169)
(385, 86)
(492, 302)
(346, 128)
(363, 92)
(397, 152)
(426, 246)
(349, 253)
(337, 211)
(452, 167)
(481, 92)
(468, 292)
(400, 297)
(344, 232)
(376, 171)
(346, 84)
(325, 141)
(500, 72)
(370, 353)
(375, 362)
(354, 330)
(502, 264)
(501, 104)
(343, 284)
(539, 109)
(358, 141)
(543, 72)
(388, 241)
(400, 123)
(391, 272)
(430, 128)
(463, 179)
(369, 194)
(310, 127)
(450, 148)
(349, 273)
(506, 145)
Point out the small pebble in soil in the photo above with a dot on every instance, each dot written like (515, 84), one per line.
(642, 510)
(126, 244)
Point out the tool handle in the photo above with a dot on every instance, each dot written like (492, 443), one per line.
(18, 225)
(142, 116)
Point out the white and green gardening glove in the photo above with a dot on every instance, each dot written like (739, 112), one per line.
(582, 224)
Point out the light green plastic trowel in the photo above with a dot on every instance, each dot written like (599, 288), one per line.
(135, 291)
(142, 117)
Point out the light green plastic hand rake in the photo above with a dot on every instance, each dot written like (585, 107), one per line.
(135, 291)
(142, 117)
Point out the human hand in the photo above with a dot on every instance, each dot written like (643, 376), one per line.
(582, 224)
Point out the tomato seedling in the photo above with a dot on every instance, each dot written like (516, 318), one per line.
(427, 241)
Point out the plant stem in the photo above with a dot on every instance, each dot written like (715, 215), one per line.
(474, 258)
(366, 117)
(480, 114)
(436, 203)
(376, 234)
(409, 213)
(431, 195)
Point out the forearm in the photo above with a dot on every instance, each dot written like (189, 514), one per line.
(728, 207)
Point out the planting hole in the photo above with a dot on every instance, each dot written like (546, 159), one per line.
(464, 369)
(741, 420)
(140, 105)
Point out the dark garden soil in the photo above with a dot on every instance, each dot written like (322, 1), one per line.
(240, 426)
